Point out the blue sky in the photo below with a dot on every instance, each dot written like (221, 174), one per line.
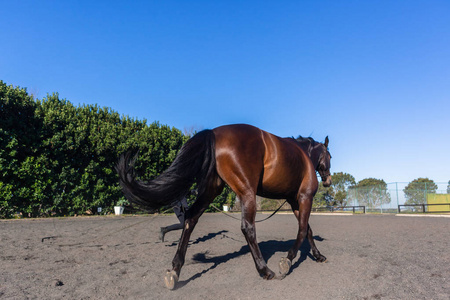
(372, 75)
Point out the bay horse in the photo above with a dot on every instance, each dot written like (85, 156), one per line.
(252, 162)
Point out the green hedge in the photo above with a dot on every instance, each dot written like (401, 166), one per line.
(57, 159)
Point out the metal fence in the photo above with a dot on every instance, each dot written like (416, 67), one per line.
(392, 198)
(395, 198)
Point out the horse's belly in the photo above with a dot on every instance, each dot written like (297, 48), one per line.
(278, 186)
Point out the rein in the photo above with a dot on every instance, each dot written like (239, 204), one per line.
(229, 215)
(324, 175)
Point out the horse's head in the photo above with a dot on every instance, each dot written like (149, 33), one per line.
(323, 166)
(320, 157)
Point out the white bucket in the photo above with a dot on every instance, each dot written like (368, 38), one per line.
(118, 210)
(226, 208)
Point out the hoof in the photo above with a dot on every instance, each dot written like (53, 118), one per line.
(321, 259)
(171, 279)
(269, 275)
(162, 233)
(285, 265)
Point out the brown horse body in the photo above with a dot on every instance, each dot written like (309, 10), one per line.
(266, 159)
(252, 162)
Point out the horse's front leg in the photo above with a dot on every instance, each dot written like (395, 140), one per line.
(249, 231)
(301, 212)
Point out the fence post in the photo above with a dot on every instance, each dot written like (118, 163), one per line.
(425, 196)
(396, 189)
(381, 200)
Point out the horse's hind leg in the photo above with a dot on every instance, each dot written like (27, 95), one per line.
(302, 210)
(319, 257)
(249, 231)
(192, 216)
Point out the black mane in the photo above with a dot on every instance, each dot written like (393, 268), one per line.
(308, 143)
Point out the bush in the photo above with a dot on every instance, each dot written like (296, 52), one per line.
(58, 159)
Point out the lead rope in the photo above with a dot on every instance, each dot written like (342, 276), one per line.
(228, 215)
(58, 235)
(149, 219)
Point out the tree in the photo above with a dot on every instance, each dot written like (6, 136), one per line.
(448, 187)
(370, 192)
(337, 193)
(323, 197)
(341, 182)
(416, 191)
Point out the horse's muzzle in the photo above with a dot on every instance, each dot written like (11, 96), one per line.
(327, 181)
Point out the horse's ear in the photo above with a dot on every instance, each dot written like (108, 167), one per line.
(326, 141)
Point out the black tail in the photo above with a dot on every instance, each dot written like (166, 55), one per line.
(194, 163)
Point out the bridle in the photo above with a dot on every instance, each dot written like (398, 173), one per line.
(323, 174)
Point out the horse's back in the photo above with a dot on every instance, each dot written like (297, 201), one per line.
(252, 160)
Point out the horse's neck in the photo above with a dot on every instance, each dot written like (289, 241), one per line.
(315, 155)
(311, 151)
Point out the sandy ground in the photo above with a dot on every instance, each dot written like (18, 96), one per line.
(369, 257)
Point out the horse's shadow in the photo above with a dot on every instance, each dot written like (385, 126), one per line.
(268, 249)
(202, 239)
